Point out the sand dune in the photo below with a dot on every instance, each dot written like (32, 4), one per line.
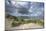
(28, 26)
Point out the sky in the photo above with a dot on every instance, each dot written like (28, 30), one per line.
(24, 8)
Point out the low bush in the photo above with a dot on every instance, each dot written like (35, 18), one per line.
(15, 24)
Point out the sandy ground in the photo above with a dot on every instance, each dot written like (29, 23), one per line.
(23, 26)
(28, 26)
(8, 24)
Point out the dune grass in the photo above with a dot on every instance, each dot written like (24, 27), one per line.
(18, 22)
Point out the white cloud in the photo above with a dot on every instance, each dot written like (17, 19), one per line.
(30, 11)
(13, 2)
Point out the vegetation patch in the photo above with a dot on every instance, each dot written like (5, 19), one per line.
(21, 20)
(18, 21)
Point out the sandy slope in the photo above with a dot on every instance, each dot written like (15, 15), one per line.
(23, 26)
(27, 26)
(8, 23)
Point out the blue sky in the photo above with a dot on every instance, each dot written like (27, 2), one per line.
(24, 8)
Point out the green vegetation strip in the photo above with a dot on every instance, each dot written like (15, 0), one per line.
(18, 21)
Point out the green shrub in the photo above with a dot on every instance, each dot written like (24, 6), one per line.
(16, 23)
(13, 24)
(22, 20)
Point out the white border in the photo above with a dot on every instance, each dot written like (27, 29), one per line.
(2, 15)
